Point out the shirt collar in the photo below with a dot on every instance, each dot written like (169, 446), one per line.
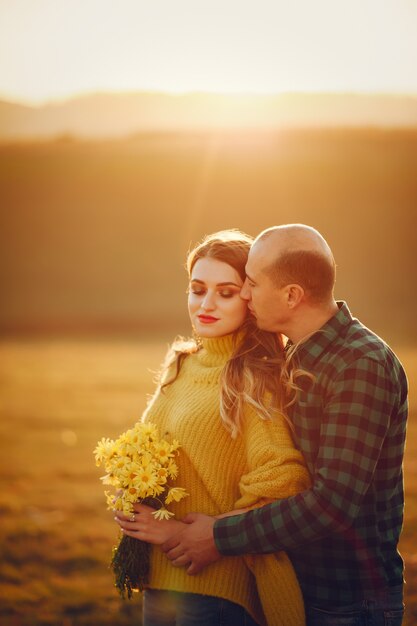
(313, 347)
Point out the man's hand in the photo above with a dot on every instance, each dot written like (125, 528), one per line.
(193, 546)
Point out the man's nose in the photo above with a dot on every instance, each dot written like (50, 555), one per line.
(245, 291)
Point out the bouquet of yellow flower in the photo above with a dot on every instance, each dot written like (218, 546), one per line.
(138, 466)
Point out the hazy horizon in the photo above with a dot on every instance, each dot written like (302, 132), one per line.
(127, 113)
(80, 95)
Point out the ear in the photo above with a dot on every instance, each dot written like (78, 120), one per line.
(294, 295)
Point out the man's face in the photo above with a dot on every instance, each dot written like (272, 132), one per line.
(266, 302)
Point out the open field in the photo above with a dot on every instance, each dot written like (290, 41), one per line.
(57, 398)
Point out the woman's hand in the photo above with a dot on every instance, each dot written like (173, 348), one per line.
(142, 525)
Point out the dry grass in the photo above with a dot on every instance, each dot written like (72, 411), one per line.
(57, 398)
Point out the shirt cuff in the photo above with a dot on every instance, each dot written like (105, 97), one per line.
(230, 535)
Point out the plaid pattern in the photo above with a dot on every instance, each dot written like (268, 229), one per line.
(341, 534)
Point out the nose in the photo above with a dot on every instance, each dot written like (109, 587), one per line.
(208, 303)
(245, 291)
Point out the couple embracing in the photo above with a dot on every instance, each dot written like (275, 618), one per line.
(291, 416)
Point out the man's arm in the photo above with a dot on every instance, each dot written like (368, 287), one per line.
(354, 426)
(275, 468)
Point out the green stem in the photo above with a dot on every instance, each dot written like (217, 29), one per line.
(130, 560)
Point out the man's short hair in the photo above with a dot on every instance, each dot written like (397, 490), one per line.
(313, 271)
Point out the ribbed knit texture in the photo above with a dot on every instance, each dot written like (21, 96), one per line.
(220, 474)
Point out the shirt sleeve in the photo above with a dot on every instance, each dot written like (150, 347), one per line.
(275, 468)
(356, 417)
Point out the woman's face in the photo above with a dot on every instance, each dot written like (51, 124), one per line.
(214, 303)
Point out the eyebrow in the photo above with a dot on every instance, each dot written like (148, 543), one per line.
(197, 280)
(247, 275)
(249, 278)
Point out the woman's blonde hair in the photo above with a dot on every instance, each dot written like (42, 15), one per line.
(257, 372)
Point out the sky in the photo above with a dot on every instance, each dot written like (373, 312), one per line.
(55, 49)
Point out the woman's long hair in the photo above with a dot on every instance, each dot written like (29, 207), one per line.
(257, 372)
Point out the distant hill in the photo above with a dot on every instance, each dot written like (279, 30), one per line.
(113, 115)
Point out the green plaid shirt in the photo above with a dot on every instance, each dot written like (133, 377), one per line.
(341, 534)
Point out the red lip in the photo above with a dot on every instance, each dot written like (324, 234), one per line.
(207, 319)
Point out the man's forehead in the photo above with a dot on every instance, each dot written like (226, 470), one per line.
(263, 251)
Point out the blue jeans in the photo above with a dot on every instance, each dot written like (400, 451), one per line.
(170, 608)
(383, 609)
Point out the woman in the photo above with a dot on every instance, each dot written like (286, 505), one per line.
(221, 397)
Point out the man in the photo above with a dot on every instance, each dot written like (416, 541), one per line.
(349, 422)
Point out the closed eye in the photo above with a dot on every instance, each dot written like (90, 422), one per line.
(197, 292)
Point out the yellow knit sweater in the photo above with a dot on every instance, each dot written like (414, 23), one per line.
(221, 474)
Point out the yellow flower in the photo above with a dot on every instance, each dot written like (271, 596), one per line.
(175, 494)
(162, 514)
(175, 445)
(127, 509)
(172, 469)
(109, 479)
(162, 474)
(109, 499)
(157, 489)
(114, 503)
(131, 437)
(145, 459)
(104, 450)
(145, 481)
(163, 451)
(138, 464)
(149, 430)
(117, 504)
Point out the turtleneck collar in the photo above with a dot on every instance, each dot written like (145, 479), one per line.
(216, 350)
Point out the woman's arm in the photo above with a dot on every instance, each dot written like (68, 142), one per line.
(260, 502)
(275, 468)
